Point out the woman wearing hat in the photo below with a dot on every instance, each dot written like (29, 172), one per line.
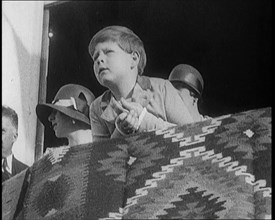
(69, 114)
(189, 83)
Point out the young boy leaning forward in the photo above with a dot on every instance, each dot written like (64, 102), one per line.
(133, 103)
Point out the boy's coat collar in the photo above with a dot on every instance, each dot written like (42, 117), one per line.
(140, 95)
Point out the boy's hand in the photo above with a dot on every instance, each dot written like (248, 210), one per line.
(118, 108)
(127, 123)
(132, 106)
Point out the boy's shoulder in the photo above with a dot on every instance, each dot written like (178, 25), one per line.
(145, 81)
(158, 82)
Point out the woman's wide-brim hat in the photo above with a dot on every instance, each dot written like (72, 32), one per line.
(72, 100)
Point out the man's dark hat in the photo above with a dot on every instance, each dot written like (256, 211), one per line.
(188, 75)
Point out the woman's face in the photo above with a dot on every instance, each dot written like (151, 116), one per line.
(61, 123)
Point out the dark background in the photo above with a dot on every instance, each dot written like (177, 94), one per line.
(228, 41)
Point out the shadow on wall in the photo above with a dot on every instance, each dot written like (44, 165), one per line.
(26, 62)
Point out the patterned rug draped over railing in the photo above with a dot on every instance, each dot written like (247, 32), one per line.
(216, 169)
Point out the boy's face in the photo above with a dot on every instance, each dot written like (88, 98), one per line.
(112, 65)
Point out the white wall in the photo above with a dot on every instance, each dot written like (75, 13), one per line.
(21, 49)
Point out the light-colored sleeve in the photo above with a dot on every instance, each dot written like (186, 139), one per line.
(175, 111)
(151, 122)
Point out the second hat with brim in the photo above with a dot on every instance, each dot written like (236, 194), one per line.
(72, 100)
(189, 76)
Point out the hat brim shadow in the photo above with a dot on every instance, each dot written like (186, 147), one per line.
(43, 111)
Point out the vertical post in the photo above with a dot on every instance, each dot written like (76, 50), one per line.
(42, 92)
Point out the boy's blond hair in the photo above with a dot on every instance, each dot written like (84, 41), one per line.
(126, 39)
